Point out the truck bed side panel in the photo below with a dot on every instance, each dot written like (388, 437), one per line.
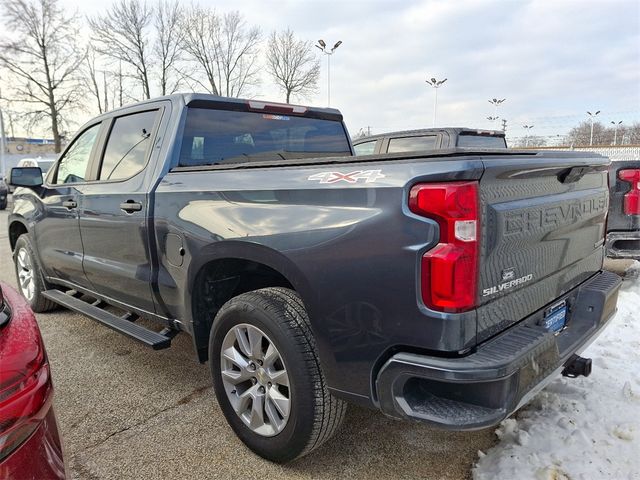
(351, 250)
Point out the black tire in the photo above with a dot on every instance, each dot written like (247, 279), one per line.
(38, 303)
(315, 415)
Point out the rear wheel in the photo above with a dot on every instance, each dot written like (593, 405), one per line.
(267, 375)
(30, 279)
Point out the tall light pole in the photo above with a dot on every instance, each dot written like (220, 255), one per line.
(496, 102)
(493, 121)
(436, 84)
(591, 117)
(526, 138)
(615, 131)
(328, 52)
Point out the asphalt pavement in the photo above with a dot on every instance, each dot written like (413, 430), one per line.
(128, 412)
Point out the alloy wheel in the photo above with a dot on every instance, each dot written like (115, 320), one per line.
(25, 274)
(255, 379)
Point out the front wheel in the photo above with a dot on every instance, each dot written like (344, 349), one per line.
(267, 375)
(30, 279)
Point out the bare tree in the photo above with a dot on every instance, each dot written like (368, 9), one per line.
(581, 135)
(121, 34)
(168, 43)
(92, 77)
(43, 58)
(224, 47)
(292, 64)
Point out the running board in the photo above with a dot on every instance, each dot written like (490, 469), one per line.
(121, 325)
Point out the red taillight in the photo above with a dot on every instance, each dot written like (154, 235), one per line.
(449, 271)
(632, 198)
(25, 381)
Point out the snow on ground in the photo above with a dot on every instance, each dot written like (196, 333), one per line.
(584, 428)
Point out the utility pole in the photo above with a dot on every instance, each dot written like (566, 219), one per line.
(436, 84)
(591, 117)
(328, 52)
(615, 131)
(504, 125)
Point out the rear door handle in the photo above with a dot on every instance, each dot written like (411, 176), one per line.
(130, 206)
(70, 204)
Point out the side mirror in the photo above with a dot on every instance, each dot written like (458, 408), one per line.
(25, 177)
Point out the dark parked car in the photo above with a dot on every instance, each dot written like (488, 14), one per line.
(444, 286)
(30, 446)
(429, 139)
(4, 194)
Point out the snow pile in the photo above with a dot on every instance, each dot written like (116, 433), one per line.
(584, 428)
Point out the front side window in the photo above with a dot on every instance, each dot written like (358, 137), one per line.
(72, 167)
(128, 146)
(213, 136)
(366, 148)
(412, 144)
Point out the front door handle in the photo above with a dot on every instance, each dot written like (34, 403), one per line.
(70, 204)
(130, 206)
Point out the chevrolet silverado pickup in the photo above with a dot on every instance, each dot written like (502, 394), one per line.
(446, 287)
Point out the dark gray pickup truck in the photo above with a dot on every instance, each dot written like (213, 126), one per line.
(446, 287)
(429, 139)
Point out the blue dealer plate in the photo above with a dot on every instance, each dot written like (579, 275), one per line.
(555, 317)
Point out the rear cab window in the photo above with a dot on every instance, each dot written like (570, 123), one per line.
(214, 136)
(476, 140)
(412, 144)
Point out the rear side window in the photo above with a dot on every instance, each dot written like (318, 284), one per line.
(412, 144)
(128, 146)
(222, 136)
(365, 148)
(72, 167)
(481, 141)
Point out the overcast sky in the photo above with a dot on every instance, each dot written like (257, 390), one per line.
(551, 60)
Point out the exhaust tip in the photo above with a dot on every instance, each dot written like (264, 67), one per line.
(577, 366)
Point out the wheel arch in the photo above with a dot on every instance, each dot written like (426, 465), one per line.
(227, 269)
(17, 227)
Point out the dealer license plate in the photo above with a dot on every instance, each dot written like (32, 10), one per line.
(555, 317)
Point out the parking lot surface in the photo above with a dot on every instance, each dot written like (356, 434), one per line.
(128, 412)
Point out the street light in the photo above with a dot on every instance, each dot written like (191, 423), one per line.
(615, 131)
(436, 84)
(591, 117)
(526, 137)
(496, 102)
(328, 52)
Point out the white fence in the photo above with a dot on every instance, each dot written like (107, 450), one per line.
(616, 154)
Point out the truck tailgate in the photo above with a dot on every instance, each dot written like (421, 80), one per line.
(543, 226)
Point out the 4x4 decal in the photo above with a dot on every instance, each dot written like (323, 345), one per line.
(369, 176)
